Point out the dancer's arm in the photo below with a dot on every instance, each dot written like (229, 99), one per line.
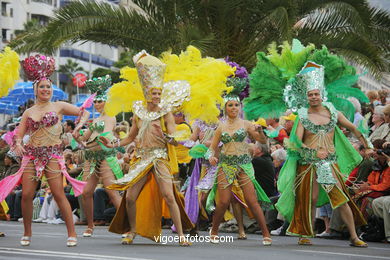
(18, 149)
(214, 146)
(71, 110)
(256, 132)
(125, 141)
(343, 121)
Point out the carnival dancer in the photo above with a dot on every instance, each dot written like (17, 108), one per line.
(149, 180)
(235, 170)
(101, 162)
(42, 154)
(319, 155)
(201, 180)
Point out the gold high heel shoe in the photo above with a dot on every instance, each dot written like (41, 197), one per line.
(357, 243)
(128, 239)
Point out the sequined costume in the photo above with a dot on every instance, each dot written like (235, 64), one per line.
(95, 156)
(202, 176)
(235, 159)
(44, 146)
(154, 158)
(302, 165)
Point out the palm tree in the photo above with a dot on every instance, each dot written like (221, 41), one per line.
(235, 28)
(69, 69)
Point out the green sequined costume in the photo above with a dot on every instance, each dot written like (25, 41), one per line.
(235, 159)
(109, 154)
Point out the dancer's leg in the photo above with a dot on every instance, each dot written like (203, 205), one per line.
(28, 192)
(55, 180)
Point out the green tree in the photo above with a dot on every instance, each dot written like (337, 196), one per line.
(220, 28)
(69, 69)
(101, 72)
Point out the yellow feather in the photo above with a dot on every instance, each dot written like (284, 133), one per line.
(207, 77)
(9, 70)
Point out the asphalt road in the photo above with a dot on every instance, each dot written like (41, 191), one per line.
(48, 242)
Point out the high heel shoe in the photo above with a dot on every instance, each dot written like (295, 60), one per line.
(183, 241)
(303, 241)
(214, 239)
(242, 236)
(25, 241)
(71, 241)
(357, 243)
(88, 232)
(128, 239)
(267, 241)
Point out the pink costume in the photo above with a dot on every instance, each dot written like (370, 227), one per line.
(47, 131)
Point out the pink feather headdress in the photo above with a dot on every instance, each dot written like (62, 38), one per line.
(38, 67)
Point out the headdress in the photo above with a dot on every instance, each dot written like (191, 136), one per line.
(311, 77)
(239, 82)
(38, 67)
(150, 72)
(280, 80)
(99, 86)
(190, 84)
(9, 70)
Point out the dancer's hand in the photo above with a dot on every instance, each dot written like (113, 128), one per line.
(213, 160)
(76, 132)
(19, 150)
(107, 143)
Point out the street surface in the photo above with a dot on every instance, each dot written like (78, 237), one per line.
(48, 242)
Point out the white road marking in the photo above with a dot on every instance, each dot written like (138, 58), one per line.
(19, 251)
(343, 254)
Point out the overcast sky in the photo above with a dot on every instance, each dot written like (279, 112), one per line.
(383, 4)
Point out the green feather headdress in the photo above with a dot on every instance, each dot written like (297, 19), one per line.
(99, 86)
(275, 71)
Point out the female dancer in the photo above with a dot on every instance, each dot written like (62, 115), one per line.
(42, 154)
(234, 164)
(101, 162)
(202, 178)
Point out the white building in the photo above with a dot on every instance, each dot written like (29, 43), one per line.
(90, 56)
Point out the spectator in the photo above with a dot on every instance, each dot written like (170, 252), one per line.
(381, 208)
(275, 130)
(378, 182)
(264, 170)
(383, 96)
(358, 111)
(379, 128)
(289, 122)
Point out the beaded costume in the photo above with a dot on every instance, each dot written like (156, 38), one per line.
(44, 145)
(95, 155)
(189, 78)
(202, 176)
(291, 74)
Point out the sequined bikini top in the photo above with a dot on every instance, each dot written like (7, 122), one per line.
(97, 126)
(238, 136)
(49, 119)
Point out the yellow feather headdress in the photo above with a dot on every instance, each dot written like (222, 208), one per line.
(9, 70)
(206, 77)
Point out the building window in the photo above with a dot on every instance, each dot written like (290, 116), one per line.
(28, 1)
(3, 9)
(49, 2)
(4, 35)
(11, 12)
